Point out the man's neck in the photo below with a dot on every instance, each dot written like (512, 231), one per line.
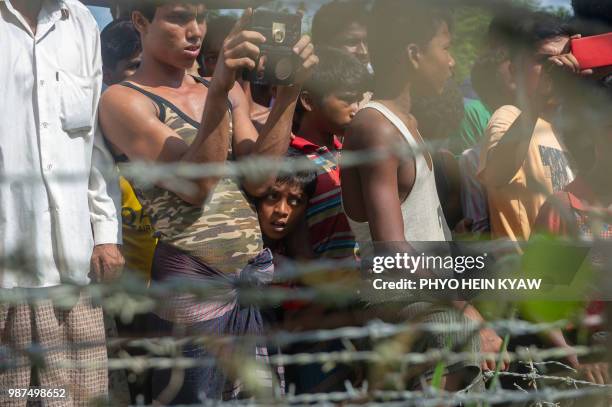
(152, 73)
(401, 101)
(29, 9)
(311, 131)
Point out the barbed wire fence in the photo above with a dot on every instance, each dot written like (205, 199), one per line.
(132, 296)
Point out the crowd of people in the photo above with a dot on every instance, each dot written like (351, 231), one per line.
(399, 155)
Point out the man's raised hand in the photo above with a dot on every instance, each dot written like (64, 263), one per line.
(306, 51)
(240, 51)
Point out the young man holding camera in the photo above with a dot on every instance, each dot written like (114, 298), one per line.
(209, 230)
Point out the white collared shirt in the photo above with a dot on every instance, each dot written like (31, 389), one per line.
(49, 92)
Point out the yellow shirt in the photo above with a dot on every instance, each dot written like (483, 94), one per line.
(138, 241)
(544, 170)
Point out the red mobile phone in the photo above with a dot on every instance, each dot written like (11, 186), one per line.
(593, 52)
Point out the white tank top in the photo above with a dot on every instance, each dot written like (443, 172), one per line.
(421, 211)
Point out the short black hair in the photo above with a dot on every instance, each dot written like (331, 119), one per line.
(119, 40)
(587, 112)
(306, 180)
(593, 9)
(485, 76)
(535, 27)
(336, 71)
(439, 116)
(396, 23)
(148, 7)
(218, 28)
(336, 16)
(503, 25)
(592, 17)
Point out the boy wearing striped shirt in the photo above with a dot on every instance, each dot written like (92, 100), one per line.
(328, 103)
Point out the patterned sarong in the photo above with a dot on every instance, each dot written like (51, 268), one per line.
(39, 338)
(221, 314)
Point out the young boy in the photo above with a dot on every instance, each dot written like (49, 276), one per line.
(328, 103)
(282, 208)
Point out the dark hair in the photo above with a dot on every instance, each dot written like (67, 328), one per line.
(396, 23)
(535, 27)
(148, 7)
(587, 111)
(592, 17)
(485, 77)
(119, 41)
(306, 180)
(337, 71)
(503, 25)
(439, 116)
(218, 28)
(334, 17)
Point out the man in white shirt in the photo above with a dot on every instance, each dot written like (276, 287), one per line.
(58, 198)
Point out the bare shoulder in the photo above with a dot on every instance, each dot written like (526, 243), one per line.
(122, 100)
(369, 129)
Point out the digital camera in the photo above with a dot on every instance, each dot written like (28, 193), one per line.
(277, 62)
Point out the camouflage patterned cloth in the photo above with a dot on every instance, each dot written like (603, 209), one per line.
(224, 232)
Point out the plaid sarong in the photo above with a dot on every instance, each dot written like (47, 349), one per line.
(37, 338)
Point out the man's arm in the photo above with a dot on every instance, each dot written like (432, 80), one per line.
(104, 194)
(379, 182)
(274, 138)
(130, 122)
(507, 140)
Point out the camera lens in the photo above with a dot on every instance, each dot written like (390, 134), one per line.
(283, 69)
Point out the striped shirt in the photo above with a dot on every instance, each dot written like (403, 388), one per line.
(329, 232)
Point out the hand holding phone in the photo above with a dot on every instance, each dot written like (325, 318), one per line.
(593, 52)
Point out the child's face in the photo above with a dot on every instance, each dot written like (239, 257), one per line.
(339, 109)
(124, 69)
(281, 209)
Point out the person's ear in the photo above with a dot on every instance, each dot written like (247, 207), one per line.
(413, 55)
(307, 101)
(107, 77)
(141, 23)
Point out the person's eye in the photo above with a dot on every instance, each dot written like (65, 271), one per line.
(296, 202)
(181, 18)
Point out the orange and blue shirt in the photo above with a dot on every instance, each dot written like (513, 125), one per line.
(329, 231)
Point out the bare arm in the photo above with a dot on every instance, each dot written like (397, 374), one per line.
(378, 179)
(274, 138)
(507, 144)
(130, 122)
(509, 152)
